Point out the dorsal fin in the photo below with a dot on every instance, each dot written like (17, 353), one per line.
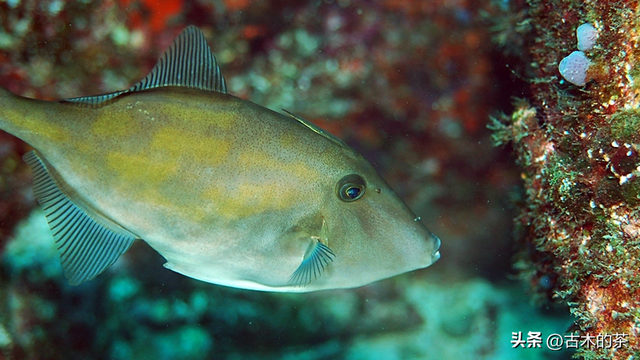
(188, 62)
(96, 99)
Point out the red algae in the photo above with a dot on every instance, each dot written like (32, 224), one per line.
(160, 11)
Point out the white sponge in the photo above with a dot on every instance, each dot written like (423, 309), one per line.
(587, 36)
(574, 68)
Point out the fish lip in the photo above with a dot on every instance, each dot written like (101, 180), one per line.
(436, 252)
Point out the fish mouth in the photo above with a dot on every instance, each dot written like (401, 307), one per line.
(436, 252)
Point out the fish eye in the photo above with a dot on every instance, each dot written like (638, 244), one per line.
(350, 188)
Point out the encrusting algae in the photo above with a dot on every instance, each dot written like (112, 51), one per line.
(578, 148)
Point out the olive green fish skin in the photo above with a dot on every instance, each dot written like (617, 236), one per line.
(227, 191)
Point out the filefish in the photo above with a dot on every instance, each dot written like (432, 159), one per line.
(227, 191)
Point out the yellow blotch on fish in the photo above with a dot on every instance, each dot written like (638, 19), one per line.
(139, 168)
(227, 191)
(183, 145)
(127, 125)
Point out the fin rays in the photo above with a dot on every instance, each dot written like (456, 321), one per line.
(96, 99)
(188, 62)
(313, 266)
(86, 247)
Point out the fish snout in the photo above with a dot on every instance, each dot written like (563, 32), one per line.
(424, 248)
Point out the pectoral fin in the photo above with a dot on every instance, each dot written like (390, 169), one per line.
(87, 244)
(315, 260)
(313, 264)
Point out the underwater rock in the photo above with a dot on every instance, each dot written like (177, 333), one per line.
(579, 154)
(185, 342)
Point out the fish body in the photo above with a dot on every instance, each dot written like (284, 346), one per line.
(227, 191)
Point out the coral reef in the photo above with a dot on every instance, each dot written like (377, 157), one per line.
(578, 150)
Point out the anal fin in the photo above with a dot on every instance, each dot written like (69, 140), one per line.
(87, 244)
